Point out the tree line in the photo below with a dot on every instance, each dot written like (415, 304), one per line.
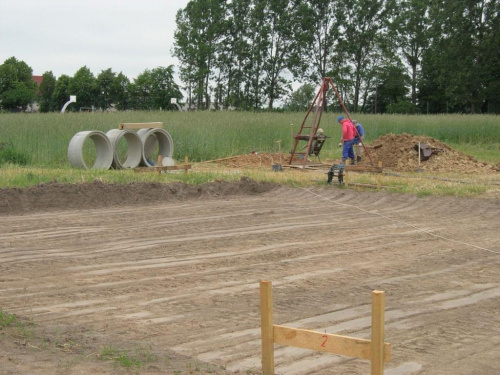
(151, 90)
(384, 56)
(405, 56)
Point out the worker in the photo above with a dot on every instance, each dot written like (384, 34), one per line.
(358, 139)
(348, 132)
(317, 142)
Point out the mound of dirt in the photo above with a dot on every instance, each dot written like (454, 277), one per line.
(400, 152)
(56, 196)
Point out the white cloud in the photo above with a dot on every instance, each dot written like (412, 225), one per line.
(62, 36)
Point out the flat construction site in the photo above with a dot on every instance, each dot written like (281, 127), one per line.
(173, 274)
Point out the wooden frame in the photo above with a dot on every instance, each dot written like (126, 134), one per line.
(159, 168)
(375, 350)
(140, 125)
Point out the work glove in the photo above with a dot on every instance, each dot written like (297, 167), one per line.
(340, 144)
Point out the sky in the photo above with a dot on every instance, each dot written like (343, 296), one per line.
(128, 36)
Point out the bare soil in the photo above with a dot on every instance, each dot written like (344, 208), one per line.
(395, 151)
(400, 152)
(170, 274)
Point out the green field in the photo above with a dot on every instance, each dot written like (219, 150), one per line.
(43, 138)
(41, 142)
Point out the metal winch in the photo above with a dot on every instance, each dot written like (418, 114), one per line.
(336, 170)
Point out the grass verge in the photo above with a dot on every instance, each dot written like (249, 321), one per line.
(421, 184)
(123, 358)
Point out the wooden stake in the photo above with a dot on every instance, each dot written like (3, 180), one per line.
(378, 176)
(377, 341)
(186, 163)
(419, 154)
(266, 317)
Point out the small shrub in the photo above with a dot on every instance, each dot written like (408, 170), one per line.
(8, 154)
(6, 319)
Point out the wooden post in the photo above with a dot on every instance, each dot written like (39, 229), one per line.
(378, 176)
(377, 340)
(160, 163)
(419, 154)
(375, 350)
(185, 164)
(266, 319)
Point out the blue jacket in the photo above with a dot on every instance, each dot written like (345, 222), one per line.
(360, 130)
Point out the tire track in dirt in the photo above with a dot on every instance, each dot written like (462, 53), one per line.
(185, 276)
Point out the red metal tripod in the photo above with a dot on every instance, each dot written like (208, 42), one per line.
(310, 136)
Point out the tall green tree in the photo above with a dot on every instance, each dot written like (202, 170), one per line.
(491, 59)
(141, 91)
(300, 100)
(200, 27)
(121, 90)
(409, 36)
(233, 55)
(391, 93)
(164, 87)
(105, 89)
(281, 47)
(154, 89)
(254, 69)
(17, 88)
(363, 22)
(84, 86)
(61, 92)
(458, 63)
(46, 92)
(320, 30)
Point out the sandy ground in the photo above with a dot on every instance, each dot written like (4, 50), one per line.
(173, 277)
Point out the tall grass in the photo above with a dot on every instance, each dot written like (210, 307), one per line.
(44, 138)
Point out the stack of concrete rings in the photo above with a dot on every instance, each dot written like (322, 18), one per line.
(141, 146)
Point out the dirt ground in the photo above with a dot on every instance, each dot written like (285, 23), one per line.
(398, 152)
(169, 275)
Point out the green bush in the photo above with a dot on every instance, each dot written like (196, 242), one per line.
(8, 154)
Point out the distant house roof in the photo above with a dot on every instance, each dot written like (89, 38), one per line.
(37, 79)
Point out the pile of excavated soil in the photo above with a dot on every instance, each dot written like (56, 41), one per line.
(56, 196)
(397, 151)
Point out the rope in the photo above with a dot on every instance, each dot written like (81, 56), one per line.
(404, 223)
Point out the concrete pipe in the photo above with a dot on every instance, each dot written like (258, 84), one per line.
(134, 148)
(104, 152)
(155, 142)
